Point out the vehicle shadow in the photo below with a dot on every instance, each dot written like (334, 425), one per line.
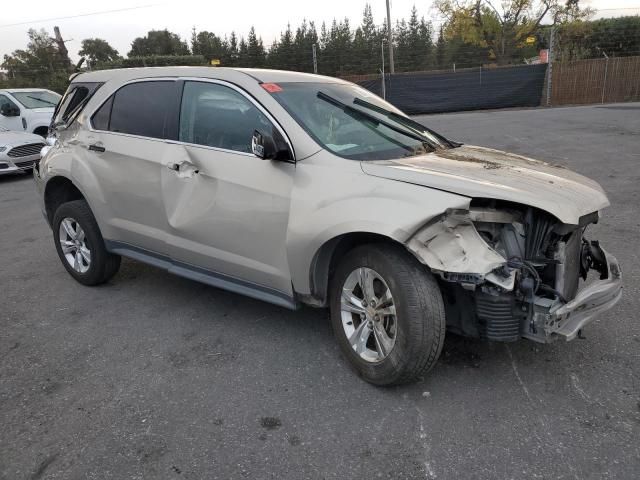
(307, 328)
(15, 177)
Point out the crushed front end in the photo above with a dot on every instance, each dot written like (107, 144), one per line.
(509, 271)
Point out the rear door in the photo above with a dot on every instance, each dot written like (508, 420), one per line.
(126, 148)
(227, 209)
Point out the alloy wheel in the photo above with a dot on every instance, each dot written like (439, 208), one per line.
(368, 314)
(74, 245)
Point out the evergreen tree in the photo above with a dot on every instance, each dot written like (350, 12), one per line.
(233, 52)
(280, 53)
(243, 54)
(414, 44)
(255, 50)
(440, 49)
(366, 44)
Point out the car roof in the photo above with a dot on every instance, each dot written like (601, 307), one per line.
(260, 75)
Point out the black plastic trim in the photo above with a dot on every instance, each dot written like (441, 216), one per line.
(215, 279)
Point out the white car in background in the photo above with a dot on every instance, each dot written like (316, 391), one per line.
(19, 151)
(27, 109)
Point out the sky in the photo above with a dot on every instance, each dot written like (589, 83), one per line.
(120, 21)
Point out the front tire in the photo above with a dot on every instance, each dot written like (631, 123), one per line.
(387, 314)
(80, 245)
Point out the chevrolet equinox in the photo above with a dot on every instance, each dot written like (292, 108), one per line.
(301, 189)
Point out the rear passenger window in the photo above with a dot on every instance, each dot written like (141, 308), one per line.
(218, 116)
(139, 109)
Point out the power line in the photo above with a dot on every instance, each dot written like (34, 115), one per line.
(79, 15)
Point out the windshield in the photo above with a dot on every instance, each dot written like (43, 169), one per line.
(353, 122)
(37, 99)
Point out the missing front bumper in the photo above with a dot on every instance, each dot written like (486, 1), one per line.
(552, 321)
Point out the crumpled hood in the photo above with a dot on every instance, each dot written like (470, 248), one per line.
(480, 172)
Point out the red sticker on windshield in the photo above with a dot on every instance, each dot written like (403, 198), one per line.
(271, 87)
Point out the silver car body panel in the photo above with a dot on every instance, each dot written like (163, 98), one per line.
(452, 244)
(486, 173)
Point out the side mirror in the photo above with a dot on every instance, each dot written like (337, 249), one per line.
(264, 146)
(9, 110)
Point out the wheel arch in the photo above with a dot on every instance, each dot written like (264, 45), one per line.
(328, 256)
(59, 190)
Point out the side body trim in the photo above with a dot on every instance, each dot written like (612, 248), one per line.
(215, 279)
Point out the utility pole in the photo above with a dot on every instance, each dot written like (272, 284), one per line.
(315, 59)
(384, 87)
(606, 68)
(390, 41)
(62, 49)
(550, 66)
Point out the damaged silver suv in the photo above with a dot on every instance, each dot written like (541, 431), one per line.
(300, 189)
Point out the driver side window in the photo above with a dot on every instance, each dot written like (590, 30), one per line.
(218, 116)
(6, 105)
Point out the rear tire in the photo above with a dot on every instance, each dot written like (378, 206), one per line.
(80, 245)
(405, 314)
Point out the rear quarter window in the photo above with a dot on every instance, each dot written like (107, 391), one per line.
(74, 100)
(100, 119)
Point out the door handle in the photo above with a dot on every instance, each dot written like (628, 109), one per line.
(97, 148)
(184, 169)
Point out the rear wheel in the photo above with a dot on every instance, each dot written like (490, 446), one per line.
(80, 245)
(387, 314)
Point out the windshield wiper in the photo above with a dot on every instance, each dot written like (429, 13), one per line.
(41, 100)
(357, 112)
(407, 122)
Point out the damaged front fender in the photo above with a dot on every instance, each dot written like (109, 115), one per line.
(452, 247)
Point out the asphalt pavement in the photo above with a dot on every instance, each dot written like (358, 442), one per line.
(153, 376)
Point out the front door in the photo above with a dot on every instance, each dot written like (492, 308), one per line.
(227, 209)
(8, 119)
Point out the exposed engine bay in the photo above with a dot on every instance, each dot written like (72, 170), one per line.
(509, 271)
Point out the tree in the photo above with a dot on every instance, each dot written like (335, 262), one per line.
(337, 56)
(503, 29)
(231, 57)
(255, 50)
(440, 48)
(158, 42)
(243, 54)
(280, 52)
(97, 50)
(414, 43)
(41, 64)
(208, 44)
(366, 44)
(614, 37)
